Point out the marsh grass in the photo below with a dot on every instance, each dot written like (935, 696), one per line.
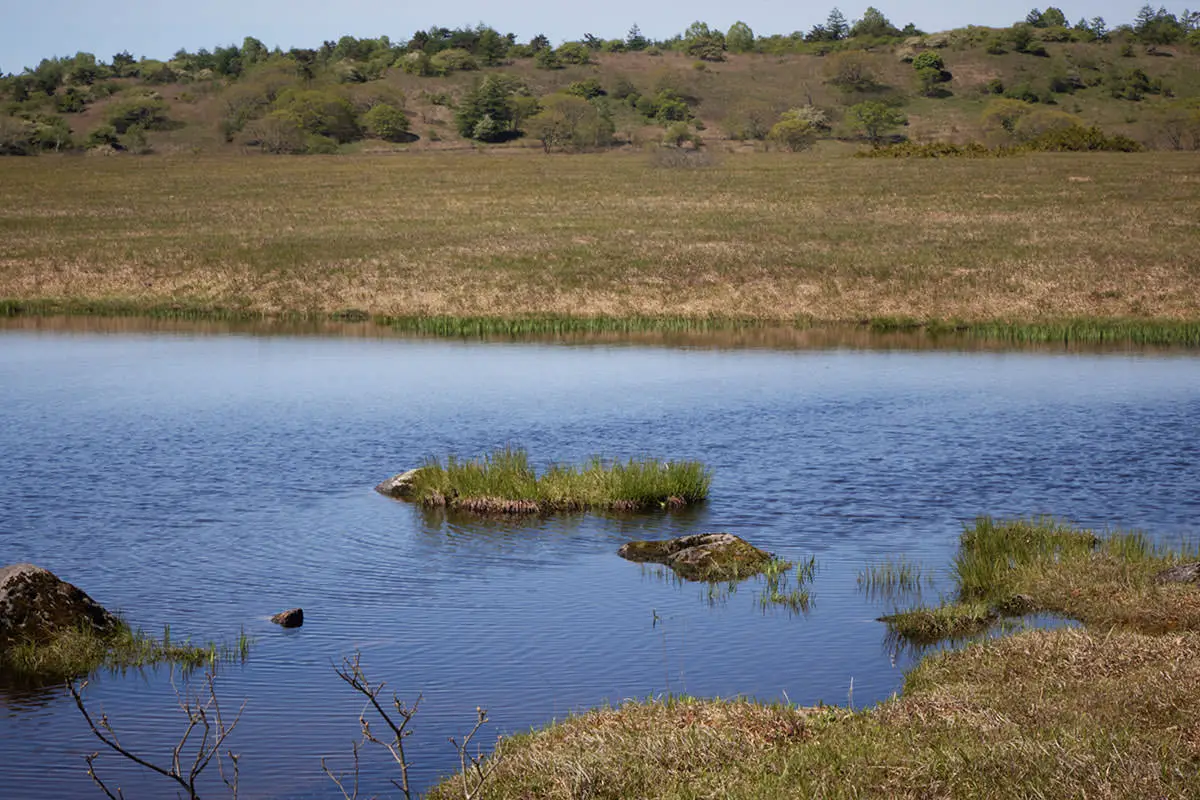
(1008, 568)
(893, 578)
(778, 590)
(504, 482)
(502, 245)
(82, 650)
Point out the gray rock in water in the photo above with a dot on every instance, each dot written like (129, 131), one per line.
(292, 618)
(35, 604)
(701, 556)
(398, 485)
(1180, 573)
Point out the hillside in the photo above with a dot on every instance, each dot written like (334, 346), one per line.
(454, 89)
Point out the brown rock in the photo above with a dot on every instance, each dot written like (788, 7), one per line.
(701, 556)
(292, 618)
(35, 604)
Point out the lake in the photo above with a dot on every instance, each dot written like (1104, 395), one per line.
(208, 481)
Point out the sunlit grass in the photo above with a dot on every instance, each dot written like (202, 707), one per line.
(893, 577)
(522, 245)
(82, 650)
(504, 482)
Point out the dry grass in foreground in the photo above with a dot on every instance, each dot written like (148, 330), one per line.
(483, 235)
(1059, 714)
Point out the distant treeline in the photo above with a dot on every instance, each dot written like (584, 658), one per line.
(315, 100)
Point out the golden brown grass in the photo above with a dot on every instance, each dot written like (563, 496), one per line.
(1042, 714)
(767, 237)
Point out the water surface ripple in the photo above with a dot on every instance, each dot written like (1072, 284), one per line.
(207, 482)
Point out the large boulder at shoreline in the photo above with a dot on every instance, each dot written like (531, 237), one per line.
(701, 556)
(399, 486)
(35, 604)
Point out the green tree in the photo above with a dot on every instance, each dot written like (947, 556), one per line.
(254, 51)
(699, 41)
(486, 112)
(568, 121)
(122, 64)
(836, 25)
(739, 38)
(573, 53)
(875, 119)
(634, 39)
(386, 122)
(1054, 18)
(875, 24)
(147, 110)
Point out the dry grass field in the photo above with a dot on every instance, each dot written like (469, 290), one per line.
(768, 237)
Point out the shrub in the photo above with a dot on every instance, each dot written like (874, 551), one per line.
(319, 113)
(749, 121)
(453, 60)
(278, 133)
(929, 59)
(569, 121)
(16, 137)
(793, 133)
(995, 86)
(147, 110)
(1041, 121)
(852, 71)
(136, 142)
(317, 145)
(102, 136)
(874, 119)
(587, 89)
(679, 134)
(384, 121)
(1078, 139)
(1000, 118)
(72, 101)
(574, 53)
(547, 59)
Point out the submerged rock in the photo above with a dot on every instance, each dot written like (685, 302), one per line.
(292, 618)
(399, 485)
(35, 604)
(1180, 573)
(701, 556)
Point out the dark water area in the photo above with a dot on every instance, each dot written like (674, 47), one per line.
(208, 481)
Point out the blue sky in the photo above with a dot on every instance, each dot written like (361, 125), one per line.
(31, 31)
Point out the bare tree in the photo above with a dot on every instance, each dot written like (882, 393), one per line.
(475, 768)
(204, 719)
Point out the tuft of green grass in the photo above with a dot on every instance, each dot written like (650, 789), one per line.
(893, 577)
(778, 590)
(947, 621)
(504, 482)
(82, 650)
(1015, 567)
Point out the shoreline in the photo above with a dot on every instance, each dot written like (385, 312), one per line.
(1066, 332)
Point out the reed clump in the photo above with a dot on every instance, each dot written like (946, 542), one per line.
(505, 483)
(1014, 567)
(893, 577)
(82, 650)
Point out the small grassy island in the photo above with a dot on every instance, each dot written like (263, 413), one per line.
(504, 483)
(82, 650)
(1103, 711)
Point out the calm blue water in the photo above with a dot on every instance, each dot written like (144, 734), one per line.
(207, 482)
